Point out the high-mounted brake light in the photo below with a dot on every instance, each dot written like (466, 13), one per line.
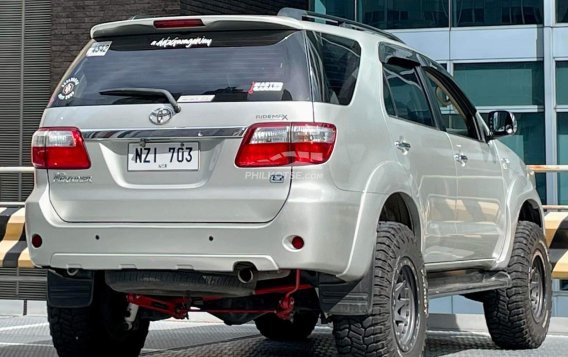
(279, 144)
(59, 148)
(181, 23)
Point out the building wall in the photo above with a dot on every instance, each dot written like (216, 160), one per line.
(266, 7)
(24, 86)
(72, 21)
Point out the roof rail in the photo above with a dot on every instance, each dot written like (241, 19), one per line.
(304, 15)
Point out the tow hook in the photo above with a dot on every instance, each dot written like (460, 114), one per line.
(285, 308)
(176, 307)
(130, 317)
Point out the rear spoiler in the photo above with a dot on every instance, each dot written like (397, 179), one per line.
(139, 26)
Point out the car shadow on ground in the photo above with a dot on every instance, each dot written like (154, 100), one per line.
(321, 344)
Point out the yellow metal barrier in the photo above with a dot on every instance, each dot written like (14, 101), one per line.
(556, 227)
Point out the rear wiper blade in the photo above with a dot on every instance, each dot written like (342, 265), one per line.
(144, 92)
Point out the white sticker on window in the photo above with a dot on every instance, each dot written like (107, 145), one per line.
(99, 49)
(266, 87)
(186, 42)
(68, 88)
(195, 98)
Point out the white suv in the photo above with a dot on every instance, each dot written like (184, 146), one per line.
(277, 169)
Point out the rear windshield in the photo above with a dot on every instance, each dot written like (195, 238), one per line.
(233, 66)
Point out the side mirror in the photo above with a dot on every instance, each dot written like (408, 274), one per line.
(502, 123)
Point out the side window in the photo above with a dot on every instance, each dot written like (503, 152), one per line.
(406, 98)
(456, 120)
(389, 104)
(335, 66)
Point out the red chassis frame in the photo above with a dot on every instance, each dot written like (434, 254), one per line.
(179, 307)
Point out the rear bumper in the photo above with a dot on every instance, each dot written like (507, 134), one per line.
(327, 219)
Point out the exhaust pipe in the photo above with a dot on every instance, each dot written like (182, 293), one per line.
(246, 275)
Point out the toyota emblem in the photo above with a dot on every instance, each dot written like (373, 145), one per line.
(161, 116)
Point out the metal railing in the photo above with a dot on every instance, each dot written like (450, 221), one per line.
(536, 168)
(15, 170)
(542, 169)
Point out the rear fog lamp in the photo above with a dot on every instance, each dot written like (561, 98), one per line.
(297, 243)
(37, 241)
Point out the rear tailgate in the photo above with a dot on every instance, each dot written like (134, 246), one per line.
(179, 167)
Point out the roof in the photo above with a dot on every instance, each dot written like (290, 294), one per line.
(287, 19)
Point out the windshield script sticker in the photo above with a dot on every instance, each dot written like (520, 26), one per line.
(195, 98)
(99, 49)
(187, 42)
(68, 88)
(265, 87)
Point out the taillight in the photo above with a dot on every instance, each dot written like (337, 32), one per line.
(279, 144)
(178, 23)
(59, 148)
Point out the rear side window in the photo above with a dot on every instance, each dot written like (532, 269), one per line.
(335, 67)
(406, 97)
(223, 66)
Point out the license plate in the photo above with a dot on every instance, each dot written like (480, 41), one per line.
(163, 156)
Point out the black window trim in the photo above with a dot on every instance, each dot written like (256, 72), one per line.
(389, 53)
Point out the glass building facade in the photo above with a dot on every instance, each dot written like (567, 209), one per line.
(505, 54)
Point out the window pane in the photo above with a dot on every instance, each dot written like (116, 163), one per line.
(409, 97)
(529, 143)
(455, 120)
(389, 104)
(341, 8)
(496, 12)
(404, 14)
(228, 68)
(562, 123)
(561, 10)
(335, 62)
(564, 285)
(562, 82)
(492, 84)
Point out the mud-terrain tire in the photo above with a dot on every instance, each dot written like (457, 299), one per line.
(299, 328)
(96, 330)
(518, 317)
(399, 276)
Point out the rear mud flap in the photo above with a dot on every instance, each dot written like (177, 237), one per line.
(69, 292)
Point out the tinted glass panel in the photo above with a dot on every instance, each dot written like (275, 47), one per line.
(562, 82)
(389, 103)
(456, 120)
(404, 14)
(341, 8)
(562, 123)
(409, 98)
(226, 66)
(564, 285)
(529, 143)
(335, 62)
(511, 83)
(496, 12)
(561, 10)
